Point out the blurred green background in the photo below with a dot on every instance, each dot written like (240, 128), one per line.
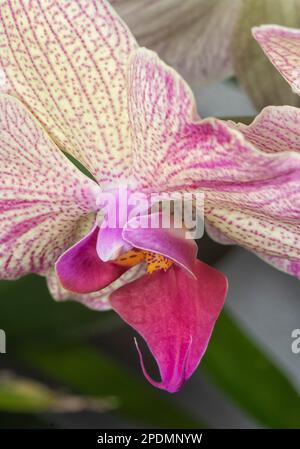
(69, 367)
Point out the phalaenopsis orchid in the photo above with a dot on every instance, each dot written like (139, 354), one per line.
(74, 81)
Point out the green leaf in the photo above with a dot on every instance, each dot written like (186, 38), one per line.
(51, 334)
(19, 394)
(249, 377)
(46, 335)
(91, 373)
(23, 395)
(28, 312)
(261, 80)
(80, 166)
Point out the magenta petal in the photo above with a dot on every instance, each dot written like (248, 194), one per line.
(169, 242)
(175, 314)
(81, 271)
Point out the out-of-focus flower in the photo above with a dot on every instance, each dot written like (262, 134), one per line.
(77, 81)
(261, 81)
(193, 36)
(282, 46)
(209, 40)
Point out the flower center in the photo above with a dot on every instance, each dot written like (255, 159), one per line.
(154, 261)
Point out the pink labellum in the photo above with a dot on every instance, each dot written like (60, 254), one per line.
(175, 314)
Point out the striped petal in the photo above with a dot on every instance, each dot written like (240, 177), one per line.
(275, 129)
(160, 104)
(67, 61)
(216, 235)
(43, 198)
(169, 138)
(261, 233)
(192, 36)
(282, 46)
(252, 197)
(175, 314)
(283, 264)
(260, 209)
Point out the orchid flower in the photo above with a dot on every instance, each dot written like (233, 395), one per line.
(75, 81)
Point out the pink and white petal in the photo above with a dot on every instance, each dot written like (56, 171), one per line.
(44, 198)
(193, 36)
(170, 242)
(96, 300)
(67, 61)
(282, 47)
(189, 154)
(160, 105)
(239, 181)
(175, 314)
(168, 136)
(80, 269)
(216, 235)
(283, 264)
(257, 232)
(276, 128)
(207, 155)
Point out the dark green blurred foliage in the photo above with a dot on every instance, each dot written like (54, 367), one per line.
(55, 342)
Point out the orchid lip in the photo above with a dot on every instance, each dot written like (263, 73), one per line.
(169, 387)
(175, 316)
